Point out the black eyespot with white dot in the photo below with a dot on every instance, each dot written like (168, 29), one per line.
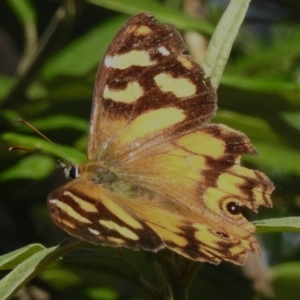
(222, 234)
(233, 208)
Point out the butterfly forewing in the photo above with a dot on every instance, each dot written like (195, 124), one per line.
(146, 91)
(158, 174)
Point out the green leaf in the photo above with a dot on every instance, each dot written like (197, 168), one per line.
(12, 259)
(25, 271)
(60, 278)
(292, 118)
(291, 224)
(33, 167)
(253, 127)
(102, 293)
(260, 84)
(100, 37)
(285, 280)
(71, 89)
(24, 11)
(269, 58)
(173, 3)
(31, 267)
(10, 115)
(276, 157)
(100, 262)
(59, 122)
(37, 91)
(26, 14)
(161, 12)
(84, 47)
(6, 84)
(42, 146)
(222, 40)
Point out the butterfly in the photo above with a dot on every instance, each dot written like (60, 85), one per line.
(158, 173)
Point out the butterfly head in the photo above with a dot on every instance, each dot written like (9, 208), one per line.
(70, 170)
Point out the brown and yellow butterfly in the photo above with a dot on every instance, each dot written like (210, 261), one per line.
(159, 175)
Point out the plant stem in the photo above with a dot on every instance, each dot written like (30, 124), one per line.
(54, 35)
(175, 274)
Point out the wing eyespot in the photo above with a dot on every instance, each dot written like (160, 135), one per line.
(221, 234)
(233, 208)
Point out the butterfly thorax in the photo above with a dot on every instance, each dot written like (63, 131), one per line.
(92, 171)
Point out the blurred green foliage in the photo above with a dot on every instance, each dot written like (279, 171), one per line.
(49, 81)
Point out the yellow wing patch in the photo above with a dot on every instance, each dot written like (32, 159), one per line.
(138, 30)
(126, 60)
(156, 120)
(180, 87)
(130, 94)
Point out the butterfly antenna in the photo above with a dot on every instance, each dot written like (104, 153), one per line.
(46, 138)
(37, 152)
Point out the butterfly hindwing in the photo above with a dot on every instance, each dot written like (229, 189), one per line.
(196, 190)
(87, 211)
